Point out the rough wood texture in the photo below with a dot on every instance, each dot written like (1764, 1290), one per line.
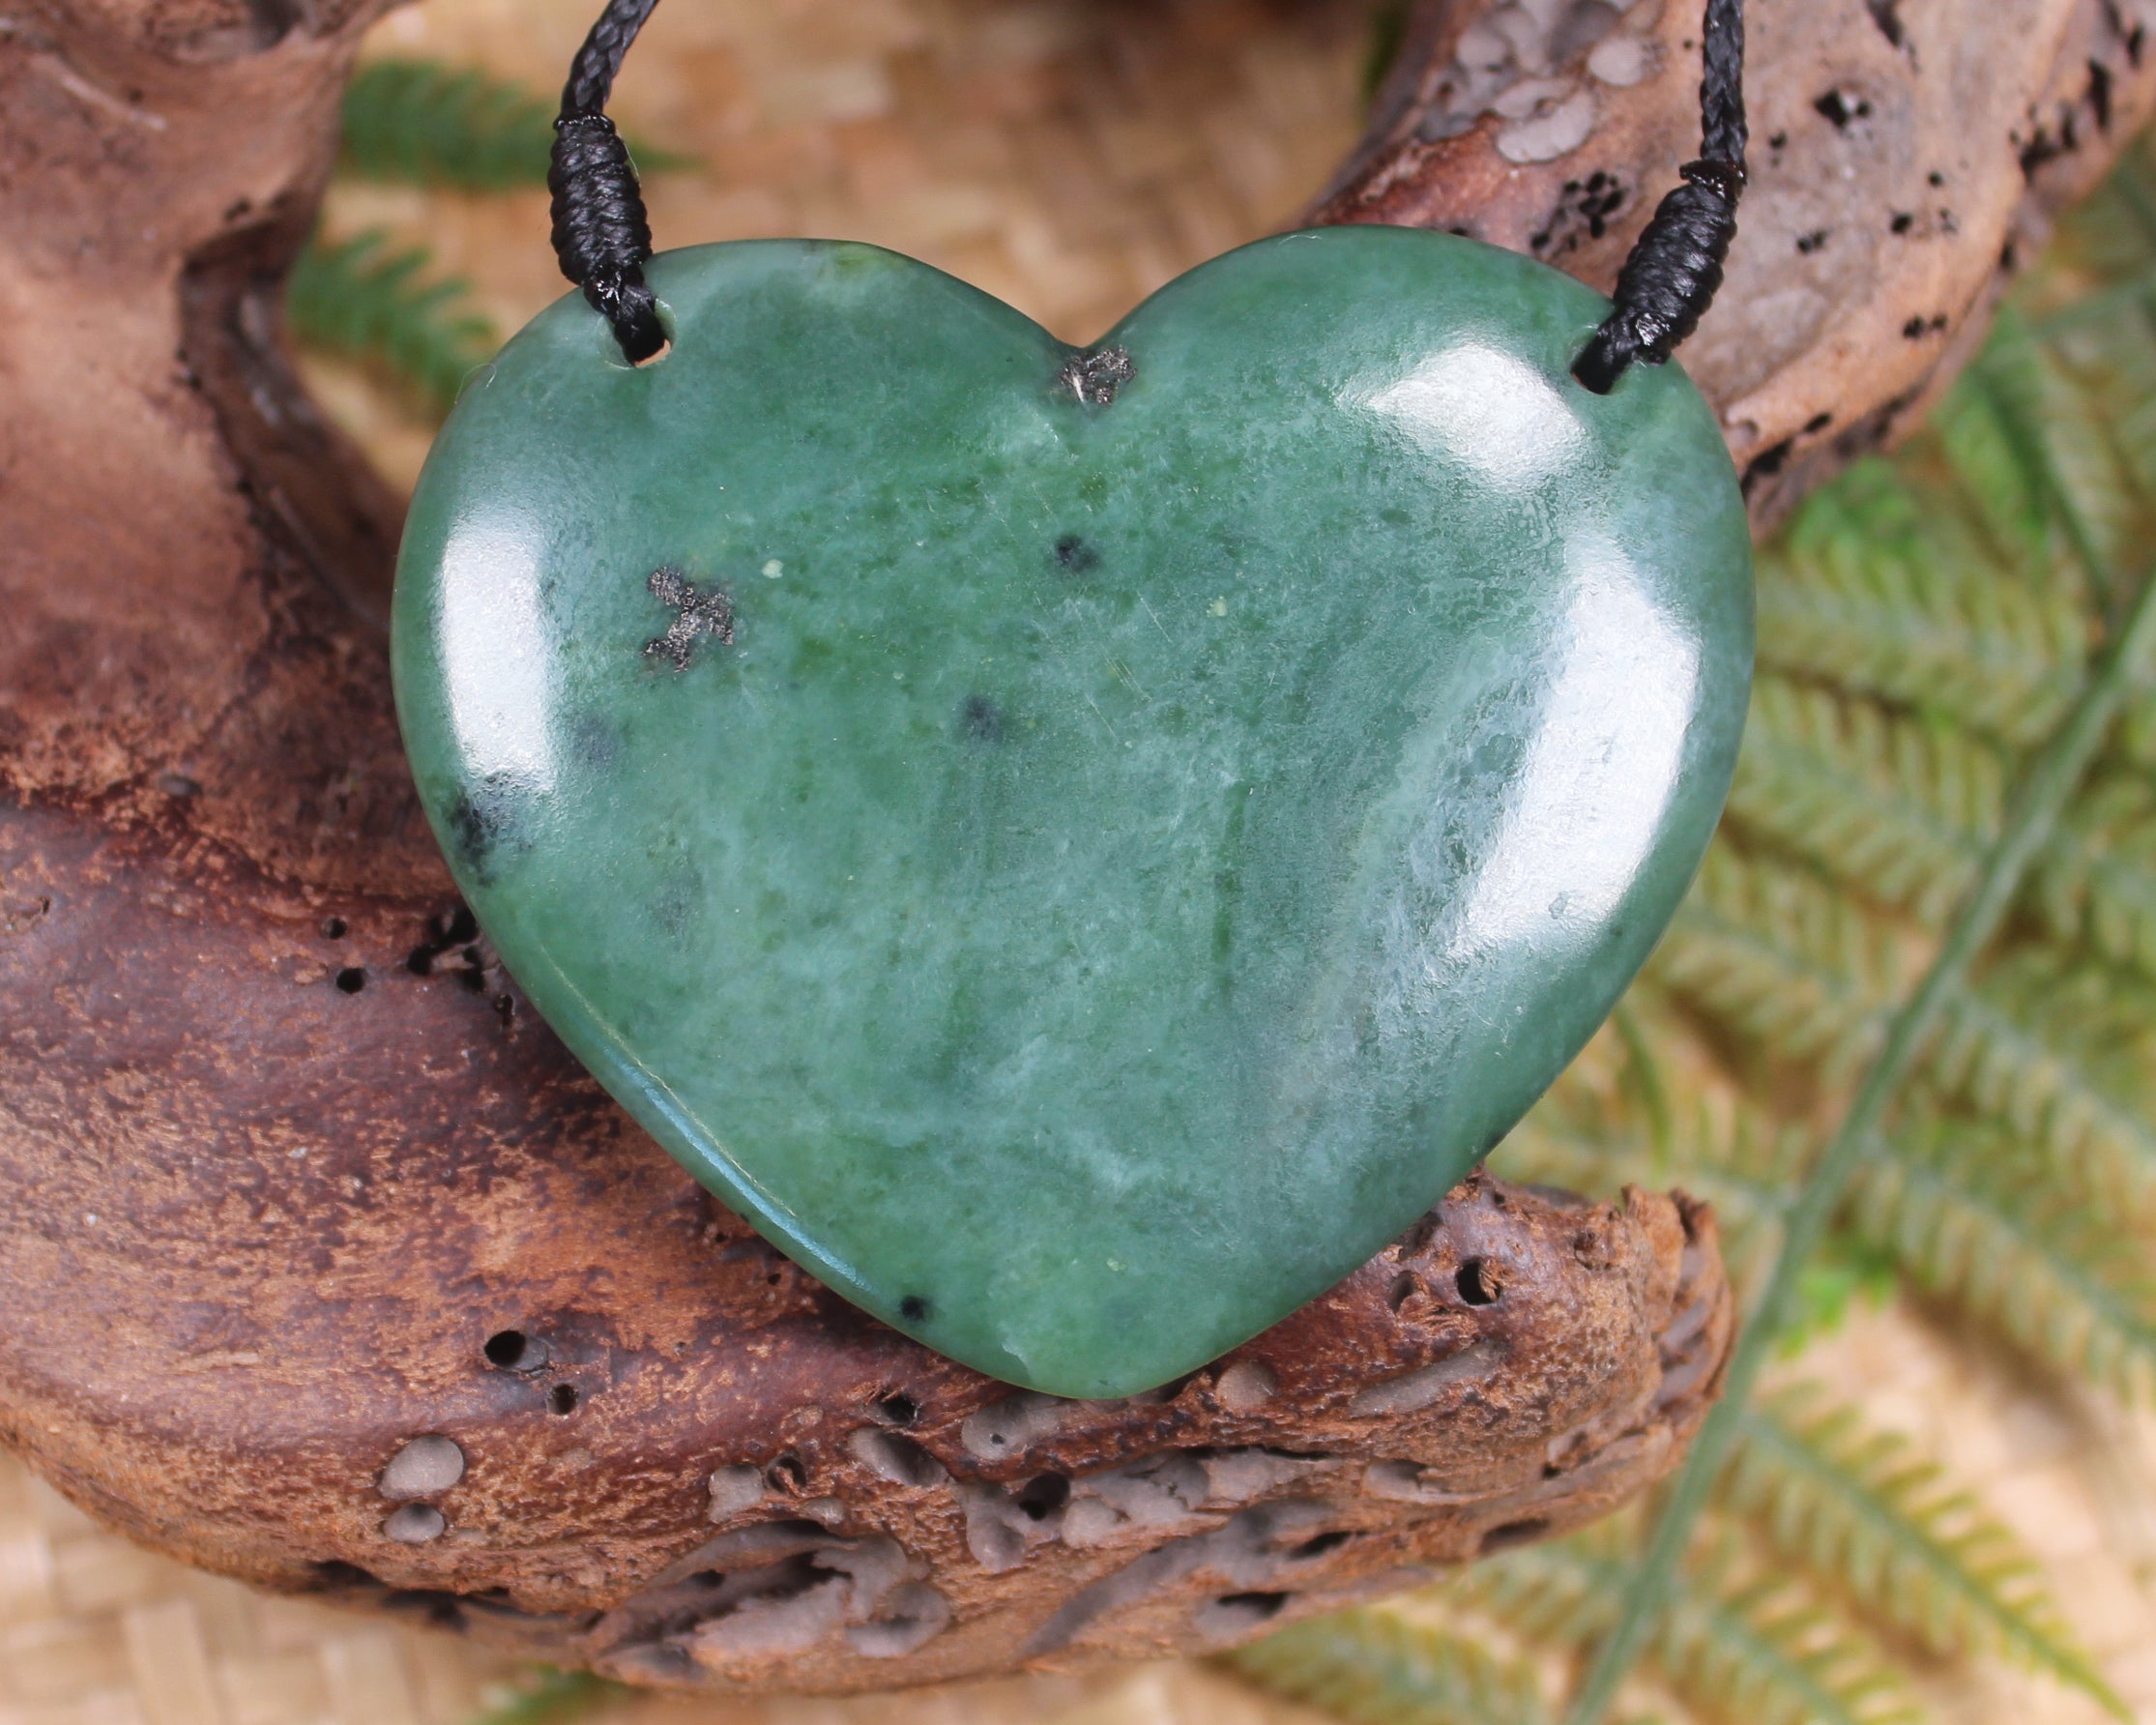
(282, 1154)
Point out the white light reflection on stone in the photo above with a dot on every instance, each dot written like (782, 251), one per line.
(1488, 410)
(494, 656)
(1601, 769)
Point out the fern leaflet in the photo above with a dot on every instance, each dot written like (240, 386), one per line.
(1376, 1669)
(365, 302)
(422, 123)
(1867, 1515)
(1735, 1645)
(1970, 1222)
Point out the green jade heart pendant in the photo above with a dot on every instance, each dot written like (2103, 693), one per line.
(1079, 848)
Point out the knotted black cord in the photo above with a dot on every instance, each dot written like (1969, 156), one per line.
(603, 237)
(601, 234)
(1668, 280)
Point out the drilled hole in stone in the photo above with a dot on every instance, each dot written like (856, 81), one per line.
(895, 1409)
(1321, 1543)
(562, 1398)
(1477, 1285)
(332, 928)
(787, 1474)
(1403, 1290)
(1043, 1495)
(1510, 1534)
(706, 1578)
(351, 980)
(513, 1351)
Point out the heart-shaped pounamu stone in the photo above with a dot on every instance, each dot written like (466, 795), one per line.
(1081, 849)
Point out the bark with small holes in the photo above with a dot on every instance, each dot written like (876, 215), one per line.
(328, 1268)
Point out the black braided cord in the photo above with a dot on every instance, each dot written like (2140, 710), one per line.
(603, 239)
(601, 234)
(1675, 267)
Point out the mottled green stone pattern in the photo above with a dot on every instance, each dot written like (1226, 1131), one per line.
(1131, 857)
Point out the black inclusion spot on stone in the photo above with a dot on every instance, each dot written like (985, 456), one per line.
(485, 824)
(475, 829)
(980, 719)
(594, 742)
(1074, 555)
(912, 1309)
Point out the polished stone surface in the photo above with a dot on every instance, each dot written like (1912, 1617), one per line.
(1080, 875)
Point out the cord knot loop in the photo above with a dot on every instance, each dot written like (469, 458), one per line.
(601, 234)
(1675, 267)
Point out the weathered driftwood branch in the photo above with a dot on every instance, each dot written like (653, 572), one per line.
(326, 1269)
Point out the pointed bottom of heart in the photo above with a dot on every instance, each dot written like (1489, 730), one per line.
(1079, 873)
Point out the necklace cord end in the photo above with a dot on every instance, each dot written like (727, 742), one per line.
(1674, 269)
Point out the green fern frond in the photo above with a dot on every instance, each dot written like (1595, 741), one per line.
(364, 301)
(1893, 808)
(1782, 961)
(1866, 1514)
(1972, 1224)
(1982, 429)
(1389, 34)
(2111, 236)
(548, 1696)
(1847, 1271)
(2061, 438)
(2096, 886)
(1735, 1646)
(2060, 1058)
(422, 123)
(1771, 1654)
(1898, 809)
(1793, 968)
(1376, 1669)
(1879, 591)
